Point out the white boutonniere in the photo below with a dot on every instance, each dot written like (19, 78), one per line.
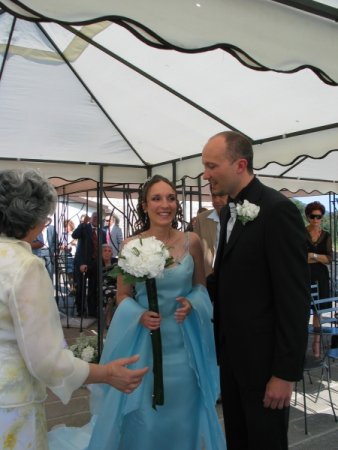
(246, 212)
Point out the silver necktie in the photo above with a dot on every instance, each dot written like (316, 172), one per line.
(232, 220)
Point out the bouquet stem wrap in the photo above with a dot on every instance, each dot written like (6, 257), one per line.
(158, 391)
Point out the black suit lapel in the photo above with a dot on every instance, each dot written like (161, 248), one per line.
(252, 194)
(235, 234)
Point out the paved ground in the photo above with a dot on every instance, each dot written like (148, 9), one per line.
(322, 430)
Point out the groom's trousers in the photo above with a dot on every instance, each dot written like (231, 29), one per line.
(248, 425)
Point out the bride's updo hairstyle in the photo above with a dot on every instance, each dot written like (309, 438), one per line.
(26, 200)
(142, 224)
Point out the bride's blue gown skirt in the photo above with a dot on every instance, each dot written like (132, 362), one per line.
(188, 419)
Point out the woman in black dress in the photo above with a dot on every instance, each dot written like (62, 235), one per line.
(319, 245)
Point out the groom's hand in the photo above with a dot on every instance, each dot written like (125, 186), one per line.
(277, 393)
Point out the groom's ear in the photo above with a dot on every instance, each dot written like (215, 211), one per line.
(242, 165)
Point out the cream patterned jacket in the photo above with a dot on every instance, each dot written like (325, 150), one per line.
(31, 337)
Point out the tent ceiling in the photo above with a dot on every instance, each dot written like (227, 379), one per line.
(140, 90)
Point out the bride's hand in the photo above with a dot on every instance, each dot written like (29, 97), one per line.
(182, 312)
(151, 320)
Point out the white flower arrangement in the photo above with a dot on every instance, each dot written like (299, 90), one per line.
(143, 258)
(246, 212)
(85, 348)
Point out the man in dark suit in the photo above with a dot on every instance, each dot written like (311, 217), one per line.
(85, 263)
(262, 304)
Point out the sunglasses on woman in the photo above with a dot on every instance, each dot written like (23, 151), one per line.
(315, 216)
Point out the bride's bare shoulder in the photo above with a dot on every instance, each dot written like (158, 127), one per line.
(130, 238)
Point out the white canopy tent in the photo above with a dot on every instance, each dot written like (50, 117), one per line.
(117, 90)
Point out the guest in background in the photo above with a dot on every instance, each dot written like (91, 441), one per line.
(48, 251)
(207, 226)
(84, 218)
(114, 235)
(319, 247)
(67, 251)
(85, 264)
(108, 283)
(37, 244)
(191, 224)
(31, 338)
(107, 256)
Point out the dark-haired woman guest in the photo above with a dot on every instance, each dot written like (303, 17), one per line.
(319, 245)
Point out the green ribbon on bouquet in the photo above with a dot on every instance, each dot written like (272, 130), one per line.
(158, 390)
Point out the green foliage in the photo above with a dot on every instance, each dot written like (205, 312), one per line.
(86, 346)
(301, 206)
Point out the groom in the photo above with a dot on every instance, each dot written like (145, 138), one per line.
(262, 298)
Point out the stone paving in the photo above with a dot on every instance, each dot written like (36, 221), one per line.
(322, 429)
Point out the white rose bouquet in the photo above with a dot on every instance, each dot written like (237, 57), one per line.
(144, 259)
(85, 348)
(246, 212)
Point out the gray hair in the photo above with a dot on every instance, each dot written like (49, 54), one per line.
(116, 219)
(26, 200)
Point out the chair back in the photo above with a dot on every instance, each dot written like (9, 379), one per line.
(314, 290)
(328, 317)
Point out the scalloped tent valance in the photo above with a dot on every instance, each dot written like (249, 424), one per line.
(139, 86)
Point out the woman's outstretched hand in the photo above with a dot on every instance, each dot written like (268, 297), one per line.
(182, 312)
(117, 374)
(151, 320)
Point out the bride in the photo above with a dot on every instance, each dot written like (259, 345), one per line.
(187, 420)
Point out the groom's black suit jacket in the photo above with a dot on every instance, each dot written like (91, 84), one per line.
(262, 305)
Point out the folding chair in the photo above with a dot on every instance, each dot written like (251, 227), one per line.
(327, 322)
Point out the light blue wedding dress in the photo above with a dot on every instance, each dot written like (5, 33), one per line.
(188, 419)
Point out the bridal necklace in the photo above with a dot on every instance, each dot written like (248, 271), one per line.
(167, 239)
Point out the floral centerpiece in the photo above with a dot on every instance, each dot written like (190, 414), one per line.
(246, 211)
(86, 348)
(144, 259)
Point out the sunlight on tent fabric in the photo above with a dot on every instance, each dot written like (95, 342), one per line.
(125, 95)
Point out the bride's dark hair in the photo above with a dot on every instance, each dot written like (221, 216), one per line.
(142, 224)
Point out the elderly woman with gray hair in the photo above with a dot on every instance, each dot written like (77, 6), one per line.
(31, 338)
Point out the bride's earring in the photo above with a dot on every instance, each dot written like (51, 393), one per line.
(146, 218)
